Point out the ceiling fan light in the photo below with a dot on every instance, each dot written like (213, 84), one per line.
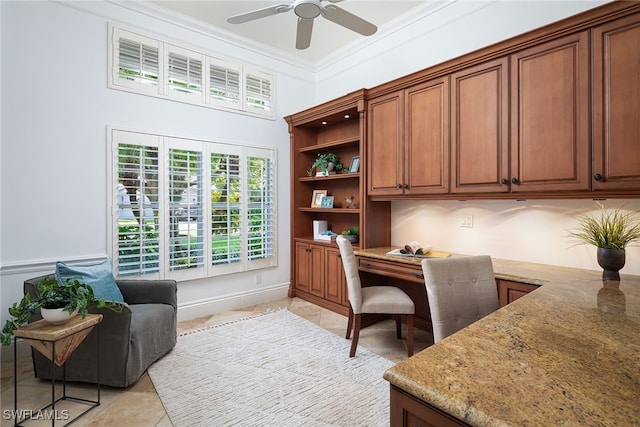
(307, 9)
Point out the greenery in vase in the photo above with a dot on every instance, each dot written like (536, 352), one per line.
(609, 229)
(322, 163)
(69, 296)
(353, 231)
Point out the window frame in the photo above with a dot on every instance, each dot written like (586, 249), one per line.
(163, 144)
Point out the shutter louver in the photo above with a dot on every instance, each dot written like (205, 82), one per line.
(138, 62)
(260, 208)
(138, 242)
(258, 92)
(226, 212)
(186, 219)
(224, 85)
(185, 74)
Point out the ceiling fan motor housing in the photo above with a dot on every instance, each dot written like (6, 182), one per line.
(307, 9)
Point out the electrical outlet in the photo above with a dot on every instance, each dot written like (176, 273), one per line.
(258, 278)
(466, 221)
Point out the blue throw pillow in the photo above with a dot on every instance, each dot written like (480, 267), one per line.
(98, 276)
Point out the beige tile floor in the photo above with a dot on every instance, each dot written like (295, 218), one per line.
(139, 405)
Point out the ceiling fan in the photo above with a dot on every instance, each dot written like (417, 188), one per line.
(307, 11)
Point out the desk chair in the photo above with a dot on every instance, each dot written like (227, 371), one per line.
(387, 300)
(460, 291)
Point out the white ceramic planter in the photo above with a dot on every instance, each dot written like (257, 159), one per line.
(57, 316)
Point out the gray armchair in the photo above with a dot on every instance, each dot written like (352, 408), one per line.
(130, 341)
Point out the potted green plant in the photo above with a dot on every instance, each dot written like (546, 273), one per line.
(71, 297)
(326, 163)
(351, 234)
(611, 230)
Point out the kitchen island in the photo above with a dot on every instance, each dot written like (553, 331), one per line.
(567, 353)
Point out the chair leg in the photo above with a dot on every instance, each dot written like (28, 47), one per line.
(409, 335)
(349, 323)
(356, 334)
(398, 326)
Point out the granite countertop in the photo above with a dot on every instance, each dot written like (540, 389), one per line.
(567, 353)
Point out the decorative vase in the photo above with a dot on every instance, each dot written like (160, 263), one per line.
(57, 316)
(353, 238)
(611, 260)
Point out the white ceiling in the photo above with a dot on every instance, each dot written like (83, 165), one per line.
(279, 31)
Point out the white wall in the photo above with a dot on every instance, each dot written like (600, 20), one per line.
(55, 111)
(530, 230)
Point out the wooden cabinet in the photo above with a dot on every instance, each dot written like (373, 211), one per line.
(509, 291)
(335, 279)
(480, 128)
(336, 127)
(408, 141)
(310, 272)
(550, 116)
(616, 105)
(409, 411)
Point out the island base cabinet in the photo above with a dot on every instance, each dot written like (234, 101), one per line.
(408, 411)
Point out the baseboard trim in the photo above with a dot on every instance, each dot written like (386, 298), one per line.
(203, 308)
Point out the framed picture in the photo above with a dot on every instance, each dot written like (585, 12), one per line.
(355, 164)
(316, 200)
(327, 202)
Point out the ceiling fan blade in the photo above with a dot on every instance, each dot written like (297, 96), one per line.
(303, 35)
(260, 13)
(348, 20)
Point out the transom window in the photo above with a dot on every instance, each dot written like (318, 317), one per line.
(149, 65)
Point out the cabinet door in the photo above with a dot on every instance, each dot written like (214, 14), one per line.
(303, 270)
(480, 128)
(550, 116)
(616, 104)
(426, 154)
(509, 291)
(335, 280)
(385, 146)
(310, 271)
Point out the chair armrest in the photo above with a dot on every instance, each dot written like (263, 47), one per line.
(137, 291)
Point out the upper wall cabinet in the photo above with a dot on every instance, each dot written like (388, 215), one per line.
(550, 116)
(616, 105)
(408, 141)
(480, 128)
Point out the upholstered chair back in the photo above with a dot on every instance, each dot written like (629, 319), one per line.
(350, 265)
(460, 290)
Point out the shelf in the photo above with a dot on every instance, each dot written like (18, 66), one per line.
(330, 177)
(331, 210)
(331, 144)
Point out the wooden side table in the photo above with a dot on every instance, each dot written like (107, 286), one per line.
(57, 343)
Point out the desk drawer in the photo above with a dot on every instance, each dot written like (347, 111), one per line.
(391, 269)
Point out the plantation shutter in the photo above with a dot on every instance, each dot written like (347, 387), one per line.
(224, 84)
(226, 209)
(260, 207)
(137, 62)
(186, 219)
(137, 193)
(259, 92)
(184, 74)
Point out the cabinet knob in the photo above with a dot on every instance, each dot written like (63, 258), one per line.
(405, 186)
(515, 181)
(598, 177)
(504, 181)
(399, 185)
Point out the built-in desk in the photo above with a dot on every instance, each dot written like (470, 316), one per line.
(566, 354)
(376, 267)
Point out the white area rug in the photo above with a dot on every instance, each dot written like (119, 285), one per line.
(276, 369)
